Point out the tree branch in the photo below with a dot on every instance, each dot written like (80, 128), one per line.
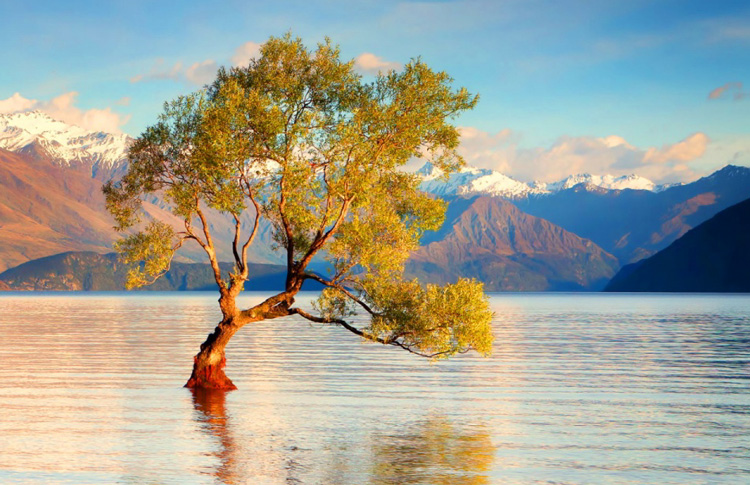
(209, 248)
(356, 331)
(321, 240)
(235, 242)
(255, 226)
(342, 289)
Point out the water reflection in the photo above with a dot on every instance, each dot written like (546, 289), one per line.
(433, 451)
(580, 389)
(211, 414)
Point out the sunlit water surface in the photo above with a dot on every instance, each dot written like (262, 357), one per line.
(580, 389)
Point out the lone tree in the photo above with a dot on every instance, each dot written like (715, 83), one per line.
(299, 139)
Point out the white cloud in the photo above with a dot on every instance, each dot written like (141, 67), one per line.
(201, 72)
(488, 150)
(368, 63)
(16, 103)
(689, 149)
(63, 108)
(244, 53)
(572, 155)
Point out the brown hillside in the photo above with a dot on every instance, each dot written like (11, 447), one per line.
(46, 209)
(495, 242)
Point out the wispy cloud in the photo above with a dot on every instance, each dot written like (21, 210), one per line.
(733, 89)
(198, 73)
(63, 108)
(368, 63)
(726, 29)
(201, 72)
(159, 71)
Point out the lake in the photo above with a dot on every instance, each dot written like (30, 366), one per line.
(581, 388)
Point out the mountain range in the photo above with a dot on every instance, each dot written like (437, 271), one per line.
(470, 181)
(37, 134)
(573, 234)
(628, 216)
(712, 257)
(51, 201)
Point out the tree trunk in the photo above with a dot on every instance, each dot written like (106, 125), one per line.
(208, 364)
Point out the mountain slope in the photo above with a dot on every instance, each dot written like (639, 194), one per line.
(51, 204)
(46, 209)
(712, 257)
(490, 239)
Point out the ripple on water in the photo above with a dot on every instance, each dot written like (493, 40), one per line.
(580, 389)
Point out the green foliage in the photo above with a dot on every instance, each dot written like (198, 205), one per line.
(149, 251)
(435, 321)
(299, 139)
(438, 321)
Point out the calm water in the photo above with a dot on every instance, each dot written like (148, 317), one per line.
(580, 389)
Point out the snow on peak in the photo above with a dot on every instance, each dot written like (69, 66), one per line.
(609, 182)
(65, 144)
(472, 181)
(476, 181)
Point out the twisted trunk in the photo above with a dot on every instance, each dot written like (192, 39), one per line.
(209, 363)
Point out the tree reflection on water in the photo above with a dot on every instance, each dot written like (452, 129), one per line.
(433, 451)
(211, 405)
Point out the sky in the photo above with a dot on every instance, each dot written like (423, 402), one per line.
(656, 88)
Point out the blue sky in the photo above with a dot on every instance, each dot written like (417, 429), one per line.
(565, 86)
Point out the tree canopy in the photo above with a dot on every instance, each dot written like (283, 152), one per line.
(301, 140)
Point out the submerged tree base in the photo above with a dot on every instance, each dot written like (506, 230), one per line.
(210, 377)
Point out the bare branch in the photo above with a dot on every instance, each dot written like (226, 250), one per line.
(209, 248)
(255, 225)
(235, 242)
(287, 230)
(321, 240)
(193, 235)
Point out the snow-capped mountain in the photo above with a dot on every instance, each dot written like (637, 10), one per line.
(67, 145)
(476, 181)
(608, 182)
(473, 181)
